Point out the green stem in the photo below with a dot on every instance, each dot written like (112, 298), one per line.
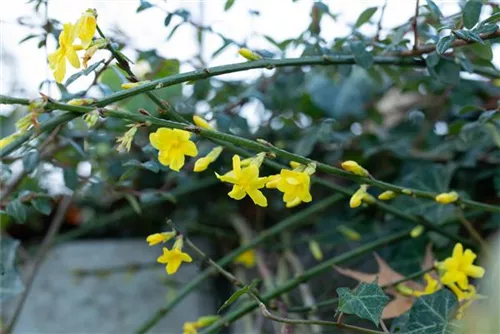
(292, 283)
(292, 221)
(252, 145)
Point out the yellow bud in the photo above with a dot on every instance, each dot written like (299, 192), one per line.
(315, 250)
(417, 231)
(129, 85)
(80, 102)
(349, 233)
(355, 168)
(404, 290)
(272, 181)
(406, 191)
(201, 122)
(295, 164)
(202, 163)
(206, 320)
(447, 198)
(357, 197)
(249, 54)
(387, 195)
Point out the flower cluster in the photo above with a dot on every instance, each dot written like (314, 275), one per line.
(84, 29)
(455, 272)
(294, 184)
(174, 257)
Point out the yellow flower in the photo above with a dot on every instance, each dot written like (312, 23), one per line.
(9, 139)
(387, 195)
(358, 196)
(157, 238)
(125, 141)
(201, 122)
(173, 145)
(355, 168)
(294, 186)
(202, 163)
(100, 43)
(246, 182)
(129, 85)
(465, 298)
(431, 286)
(189, 328)
(174, 257)
(249, 54)
(86, 26)
(246, 258)
(66, 50)
(459, 267)
(447, 198)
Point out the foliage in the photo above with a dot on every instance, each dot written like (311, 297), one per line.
(411, 111)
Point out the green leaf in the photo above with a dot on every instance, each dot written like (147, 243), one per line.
(470, 108)
(471, 13)
(143, 6)
(133, 203)
(148, 165)
(70, 178)
(30, 160)
(365, 16)
(42, 205)
(10, 282)
(168, 18)
(446, 71)
(492, 19)
(228, 4)
(444, 44)
(367, 301)
(234, 297)
(17, 210)
(428, 177)
(85, 72)
(432, 314)
(363, 58)
(434, 9)
(483, 51)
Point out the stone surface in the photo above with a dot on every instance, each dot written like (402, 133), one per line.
(117, 303)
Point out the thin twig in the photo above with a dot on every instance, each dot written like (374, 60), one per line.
(384, 327)
(54, 227)
(379, 24)
(274, 317)
(414, 25)
(473, 232)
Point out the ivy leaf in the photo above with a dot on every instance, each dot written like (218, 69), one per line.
(471, 12)
(367, 301)
(30, 160)
(363, 58)
(434, 9)
(10, 282)
(42, 205)
(365, 16)
(234, 297)
(429, 177)
(432, 314)
(17, 210)
(444, 44)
